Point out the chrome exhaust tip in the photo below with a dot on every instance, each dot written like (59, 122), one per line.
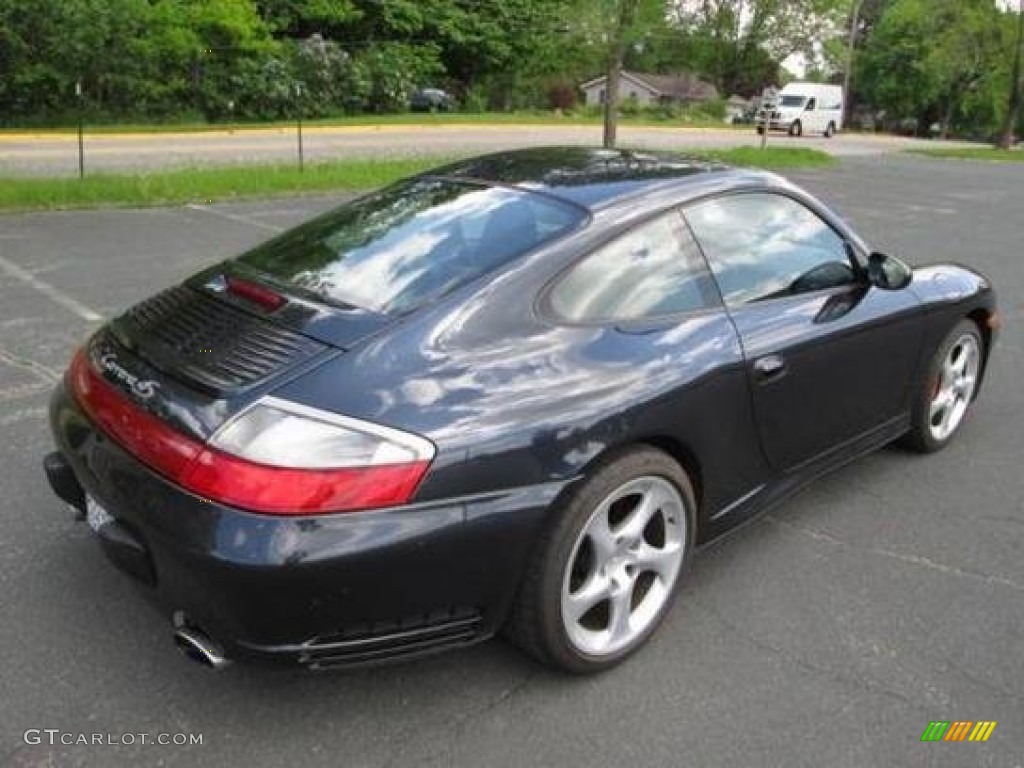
(196, 645)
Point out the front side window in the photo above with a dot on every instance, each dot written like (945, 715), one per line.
(765, 245)
(789, 100)
(394, 250)
(655, 269)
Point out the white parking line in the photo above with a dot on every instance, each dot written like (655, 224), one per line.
(42, 371)
(58, 296)
(233, 217)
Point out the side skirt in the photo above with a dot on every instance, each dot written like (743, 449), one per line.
(764, 498)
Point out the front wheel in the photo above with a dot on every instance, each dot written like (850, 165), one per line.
(605, 573)
(950, 384)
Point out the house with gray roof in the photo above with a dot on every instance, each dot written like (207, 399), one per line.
(648, 90)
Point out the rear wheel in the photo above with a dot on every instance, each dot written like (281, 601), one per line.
(830, 130)
(605, 573)
(796, 129)
(948, 389)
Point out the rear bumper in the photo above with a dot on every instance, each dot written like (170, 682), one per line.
(323, 590)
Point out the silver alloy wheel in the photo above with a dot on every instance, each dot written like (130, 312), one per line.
(624, 566)
(958, 376)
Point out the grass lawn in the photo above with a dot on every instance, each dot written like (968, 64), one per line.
(771, 158)
(989, 154)
(203, 185)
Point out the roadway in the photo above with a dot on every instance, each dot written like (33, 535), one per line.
(57, 154)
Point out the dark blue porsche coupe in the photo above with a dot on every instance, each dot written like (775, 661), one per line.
(517, 392)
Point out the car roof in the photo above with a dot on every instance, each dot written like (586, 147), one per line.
(587, 176)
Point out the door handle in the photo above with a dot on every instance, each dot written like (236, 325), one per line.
(769, 367)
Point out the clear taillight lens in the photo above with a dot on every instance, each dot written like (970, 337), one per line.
(285, 434)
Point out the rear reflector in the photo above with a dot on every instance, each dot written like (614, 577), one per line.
(222, 477)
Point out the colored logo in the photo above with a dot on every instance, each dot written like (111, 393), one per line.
(958, 730)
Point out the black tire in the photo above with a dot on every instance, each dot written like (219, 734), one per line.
(796, 128)
(536, 622)
(923, 436)
(830, 130)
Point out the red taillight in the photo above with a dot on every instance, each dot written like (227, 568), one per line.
(254, 292)
(287, 491)
(221, 477)
(144, 435)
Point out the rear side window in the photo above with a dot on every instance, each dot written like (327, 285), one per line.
(655, 269)
(392, 251)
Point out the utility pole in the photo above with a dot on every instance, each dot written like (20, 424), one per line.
(851, 44)
(298, 123)
(81, 147)
(616, 54)
(1013, 111)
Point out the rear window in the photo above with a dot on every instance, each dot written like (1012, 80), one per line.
(394, 250)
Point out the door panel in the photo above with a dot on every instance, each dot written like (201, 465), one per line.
(828, 356)
(846, 359)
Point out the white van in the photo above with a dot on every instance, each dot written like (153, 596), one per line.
(808, 108)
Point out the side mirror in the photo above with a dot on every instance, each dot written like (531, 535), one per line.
(888, 272)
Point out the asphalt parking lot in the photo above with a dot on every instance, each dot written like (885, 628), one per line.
(829, 632)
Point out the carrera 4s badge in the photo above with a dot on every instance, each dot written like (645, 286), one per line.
(143, 388)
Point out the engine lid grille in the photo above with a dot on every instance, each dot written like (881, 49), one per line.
(213, 345)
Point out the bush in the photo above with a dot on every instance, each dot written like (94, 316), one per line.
(630, 107)
(562, 96)
(666, 111)
(712, 110)
(475, 100)
(395, 70)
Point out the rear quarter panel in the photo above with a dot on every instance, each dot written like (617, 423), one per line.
(512, 398)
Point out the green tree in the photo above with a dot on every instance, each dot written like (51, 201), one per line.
(937, 61)
(738, 44)
(133, 57)
(1013, 106)
(300, 19)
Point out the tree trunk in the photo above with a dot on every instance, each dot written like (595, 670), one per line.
(1013, 109)
(611, 101)
(616, 54)
(947, 119)
(851, 45)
